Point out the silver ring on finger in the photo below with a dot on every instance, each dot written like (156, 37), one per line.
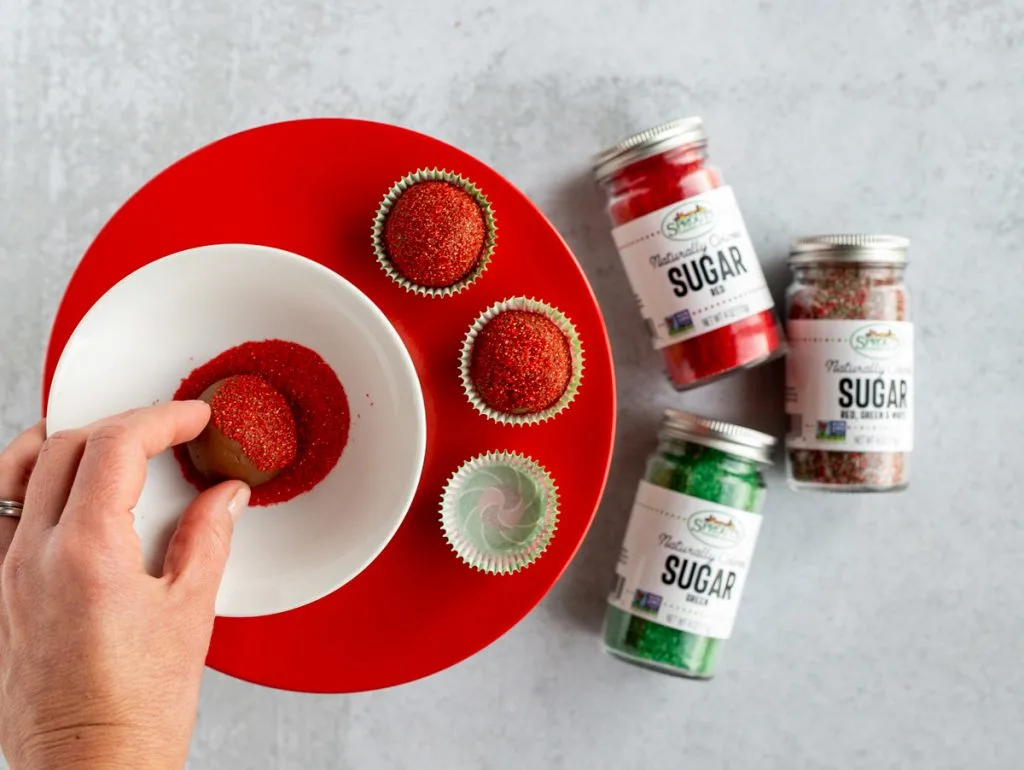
(11, 509)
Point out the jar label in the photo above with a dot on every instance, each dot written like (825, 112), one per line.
(850, 385)
(684, 561)
(693, 267)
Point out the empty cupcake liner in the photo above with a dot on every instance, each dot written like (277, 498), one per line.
(499, 512)
(576, 350)
(433, 175)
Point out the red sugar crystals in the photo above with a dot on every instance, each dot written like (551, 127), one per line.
(522, 363)
(435, 233)
(249, 411)
(687, 254)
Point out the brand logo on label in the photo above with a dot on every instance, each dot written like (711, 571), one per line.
(875, 341)
(646, 602)
(679, 323)
(715, 528)
(688, 221)
(831, 430)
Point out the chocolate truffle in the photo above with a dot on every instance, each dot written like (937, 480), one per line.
(521, 362)
(251, 435)
(434, 234)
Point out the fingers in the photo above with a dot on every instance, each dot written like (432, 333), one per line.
(51, 480)
(199, 550)
(16, 464)
(101, 467)
(112, 470)
(18, 460)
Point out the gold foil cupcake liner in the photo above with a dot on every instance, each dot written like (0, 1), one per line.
(434, 175)
(575, 346)
(499, 512)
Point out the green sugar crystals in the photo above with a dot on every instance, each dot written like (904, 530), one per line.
(688, 546)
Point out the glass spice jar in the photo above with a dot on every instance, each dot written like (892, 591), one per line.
(687, 254)
(850, 369)
(688, 546)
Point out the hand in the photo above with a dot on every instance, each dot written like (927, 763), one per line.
(100, 663)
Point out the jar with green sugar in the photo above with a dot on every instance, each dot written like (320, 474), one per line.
(688, 546)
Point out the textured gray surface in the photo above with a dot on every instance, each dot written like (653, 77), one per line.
(876, 633)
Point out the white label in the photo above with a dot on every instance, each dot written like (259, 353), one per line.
(692, 267)
(850, 385)
(684, 561)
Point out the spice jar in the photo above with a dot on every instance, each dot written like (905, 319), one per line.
(687, 254)
(850, 370)
(688, 546)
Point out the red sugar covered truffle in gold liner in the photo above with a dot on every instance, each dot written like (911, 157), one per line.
(434, 233)
(522, 362)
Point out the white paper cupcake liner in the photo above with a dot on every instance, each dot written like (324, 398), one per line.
(576, 351)
(499, 512)
(434, 175)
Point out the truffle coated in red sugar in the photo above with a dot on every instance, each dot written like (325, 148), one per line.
(435, 233)
(248, 410)
(312, 391)
(251, 435)
(521, 362)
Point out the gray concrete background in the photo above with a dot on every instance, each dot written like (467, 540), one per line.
(876, 632)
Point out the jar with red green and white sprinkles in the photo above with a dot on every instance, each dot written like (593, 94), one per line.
(850, 369)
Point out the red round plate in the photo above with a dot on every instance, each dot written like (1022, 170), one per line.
(312, 187)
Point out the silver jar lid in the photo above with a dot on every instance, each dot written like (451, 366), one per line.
(851, 249)
(645, 144)
(724, 436)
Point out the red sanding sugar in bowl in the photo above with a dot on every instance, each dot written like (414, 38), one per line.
(522, 362)
(434, 233)
(312, 390)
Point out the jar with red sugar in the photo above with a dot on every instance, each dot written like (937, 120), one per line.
(688, 255)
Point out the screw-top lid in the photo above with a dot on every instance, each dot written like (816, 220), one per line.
(852, 249)
(653, 141)
(716, 434)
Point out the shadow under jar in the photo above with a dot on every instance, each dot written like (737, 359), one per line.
(688, 546)
(687, 254)
(850, 368)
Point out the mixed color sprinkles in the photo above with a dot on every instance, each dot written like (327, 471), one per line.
(851, 292)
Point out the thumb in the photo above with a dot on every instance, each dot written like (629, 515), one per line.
(198, 551)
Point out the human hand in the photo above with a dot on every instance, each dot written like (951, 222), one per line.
(100, 663)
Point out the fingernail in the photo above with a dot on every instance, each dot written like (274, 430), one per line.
(238, 502)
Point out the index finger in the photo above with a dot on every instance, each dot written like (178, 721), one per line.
(112, 471)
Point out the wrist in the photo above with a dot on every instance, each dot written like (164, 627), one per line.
(96, 747)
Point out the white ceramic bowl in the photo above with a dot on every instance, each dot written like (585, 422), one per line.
(149, 331)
